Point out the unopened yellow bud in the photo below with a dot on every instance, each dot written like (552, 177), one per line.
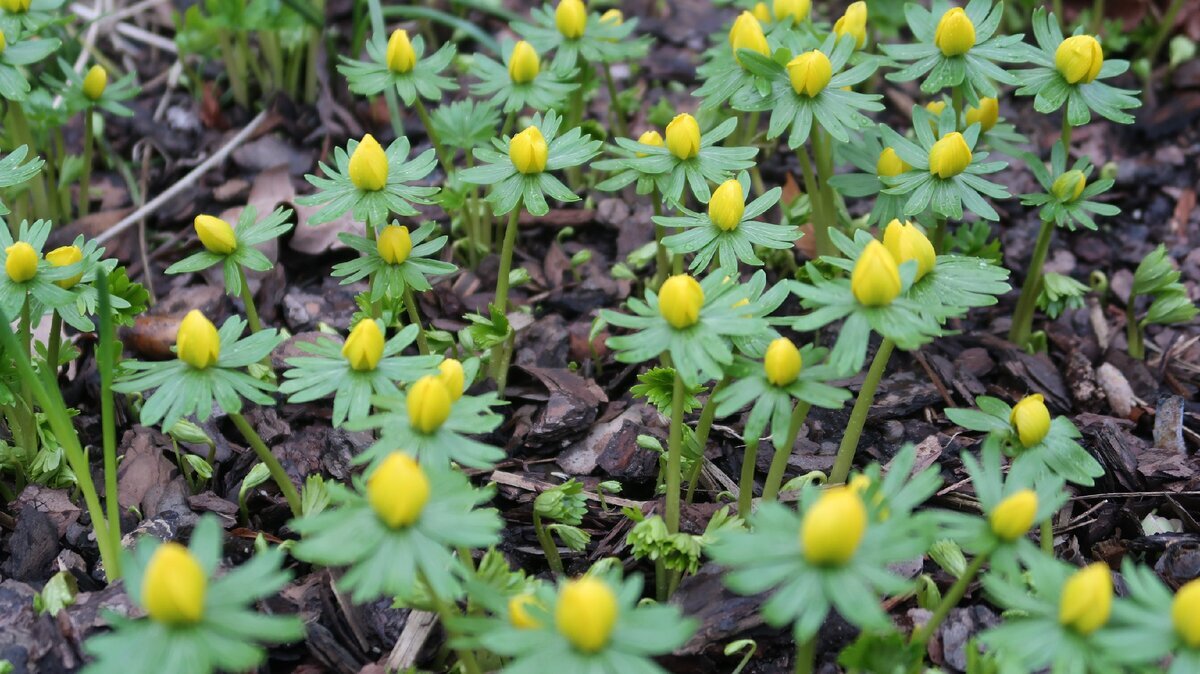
(215, 234)
(853, 22)
(875, 280)
(571, 18)
(586, 613)
(369, 165)
(955, 34)
(16, 6)
(94, 82)
(762, 13)
(651, 138)
(890, 164)
(727, 205)
(935, 107)
(428, 404)
(400, 55)
(613, 17)
(1068, 186)
(949, 156)
(782, 362)
(1012, 517)
(65, 257)
(679, 301)
(833, 527)
(450, 371)
(810, 72)
(3, 42)
(986, 115)
(21, 262)
(1086, 600)
(523, 64)
(528, 151)
(747, 33)
(197, 342)
(796, 10)
(1030, 419)
(1185, 613)
(683, 136)
(1079, 58)
(364, 347)
(398, 490)
(518, 611)
(173, 586)
(905, 242)
(394, 244)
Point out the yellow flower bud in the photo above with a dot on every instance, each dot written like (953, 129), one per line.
(986, 115)
(1079, 58)
(613, 17)
(21, 262)
(1013, 516)
(450, 372)
(727, 205)
(197, 342)
(1185, 613)
(905, 242)
(94, 82)
(949, 156)
(796, 10)
(364, 346)
(810, 72)
(16, 6)
(875, 280)
(955, 34)
(173, 586)
(528, 151)
(782, 362)
(523, 64)
(1086, 600)
(3, 42)
(762, 13)
(215, 234)
(1031, 419)
(747, 33)
(586, 613)
(428, 404)
(398, 490)
(833, 527)
(890, 164)
(853, 22)
(400, 55)
(65, 257)
(936, 108)
(369, 165)
(1068, 186)
(394, 244)
(518, 612)
(679, 301)
(651, 138)
(571, 18)
(683, 136)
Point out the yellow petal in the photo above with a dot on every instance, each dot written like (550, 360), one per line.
(20, 262)
(955, 34)
(1031, 419)
(94, 82)
(398, 490)
(364, 347)
(528, 151)
(586, 613)
(875, 280)
(833, 527)
(65, 257)
(428, 404)
(197, 342)
(215, 234)
(810, 72)
(727, 205)
(1012, 517)
(683, 136)
(400, 55)
(1086, 601)
(173, 586)
(782, 362)
(394, 244)
(523, 64)
(369, 165)
(571, 18)
(679, 301)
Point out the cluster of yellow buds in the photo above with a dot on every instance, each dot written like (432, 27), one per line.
(1012, 517)
(794, 10)
(1079, 59)
(571, 18)
(394, 244)
(1069, 186)
(782, 362)
(889, 164)
(679, 301)
(215, 234)
(875, 280)
(1030, 419)
(810, 72)
(429, 404)
(197, 342)
(21, 262)
(853, 22)
(398, 490)
(400, 55)
(369, 165)
(949, 156)
(955, 34)
(586, 613)
(528, 151)
(747, 33)
(833, 527)
(906, 242)
(727, 206)
(1086, 601)
(523, 63)
(94, 82)
(65, 257)
(683, 136)
(364, 347)
(173, 586)
(986, 115)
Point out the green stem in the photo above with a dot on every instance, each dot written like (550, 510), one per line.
(464, 556)
(614, 109)
(85, 177)
(858, 416)
(1164, 29)
(921, 635)
(107, 352)
(956, 101)
(547, 541)
(248, 300)
(1135, 344)
(816, 209)
(806, 655)
(703, 428)
(465, 656)
(264, 454)
(662, 259)
(660, 581)
(780, 460)
(509, 120)
(746, 479)
(447, 161)
(410, 304)
(1066, 132)
(506, 254)
(24, 136)
(1097, 21)
(939, 235)
(55, 344)
(675, 454)
(1058, 10)
(379, 29)
(823, 156)
(1022, 323)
